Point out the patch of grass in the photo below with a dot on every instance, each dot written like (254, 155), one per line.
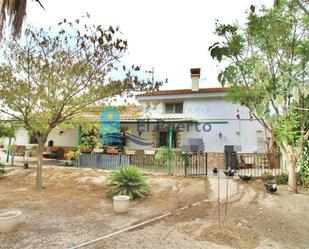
(267, 177)
(282, 179)
(128, 181)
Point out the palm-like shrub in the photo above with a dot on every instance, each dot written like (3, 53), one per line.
(128, 181)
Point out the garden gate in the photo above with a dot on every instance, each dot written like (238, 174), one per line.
(195, 164)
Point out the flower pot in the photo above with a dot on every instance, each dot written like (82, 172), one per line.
(130, 152)
(121, 203)
(97, 150)
(9, 221)
(149, 152)
(112, 151)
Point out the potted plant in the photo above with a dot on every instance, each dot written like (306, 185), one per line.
(129, 152)
(89, 139)
(98, 148)
(72, 156)
(112, 151)
(125, 184)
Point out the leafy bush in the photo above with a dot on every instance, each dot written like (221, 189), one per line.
(89, 137)
(303, 167)
(267, 177)
(73, 155)
(165, 155)
(282, 179)
(33, 151)
(128, 181)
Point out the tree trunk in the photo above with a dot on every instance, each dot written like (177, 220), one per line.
(39, 169)
(292, 177)
(288, 155)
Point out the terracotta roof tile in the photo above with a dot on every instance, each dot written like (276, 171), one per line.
(185, 91)
(128, 112)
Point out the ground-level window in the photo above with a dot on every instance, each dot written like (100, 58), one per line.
(163, 139)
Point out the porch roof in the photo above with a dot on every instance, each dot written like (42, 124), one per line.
(155, 121)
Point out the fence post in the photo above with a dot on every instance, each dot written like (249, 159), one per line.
(186, 164)
(77, 161)
(9, 150)
(206, 163)
(170, 147)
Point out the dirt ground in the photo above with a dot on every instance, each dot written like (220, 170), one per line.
(254, 219)
(73, 209)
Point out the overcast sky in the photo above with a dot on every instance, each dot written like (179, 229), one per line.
(170, 35)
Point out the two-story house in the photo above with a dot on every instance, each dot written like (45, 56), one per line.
(195, 115)
(198, 118)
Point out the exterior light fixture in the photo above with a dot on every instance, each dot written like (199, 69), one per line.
(220, 134)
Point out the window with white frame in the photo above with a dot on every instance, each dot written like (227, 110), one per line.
(174, 107)
(260, 141)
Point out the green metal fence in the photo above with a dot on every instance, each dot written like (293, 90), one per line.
(182, 164)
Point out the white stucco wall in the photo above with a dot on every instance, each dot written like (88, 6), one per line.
(241, 132)
(21, 137)
(67, 139)
(234, 131)
(212, 108)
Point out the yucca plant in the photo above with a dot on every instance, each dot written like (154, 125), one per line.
(128, 181)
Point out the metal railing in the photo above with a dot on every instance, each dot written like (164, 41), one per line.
(181, 164)
(259, 164)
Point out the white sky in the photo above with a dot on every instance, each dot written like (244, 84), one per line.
(170, 35)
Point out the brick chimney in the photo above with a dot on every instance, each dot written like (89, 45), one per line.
(195, 77)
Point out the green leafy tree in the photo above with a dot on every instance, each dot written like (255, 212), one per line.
(303, 167)
(266, 66)
(50, 77)
(8, 129)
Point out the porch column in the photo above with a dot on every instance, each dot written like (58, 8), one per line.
(170, 135)
(170, 146)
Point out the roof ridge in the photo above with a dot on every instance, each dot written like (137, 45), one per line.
(185, 91)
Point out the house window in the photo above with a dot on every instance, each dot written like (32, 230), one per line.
(174, 108)
(33, 139)
(260, 141)
(163, 139)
